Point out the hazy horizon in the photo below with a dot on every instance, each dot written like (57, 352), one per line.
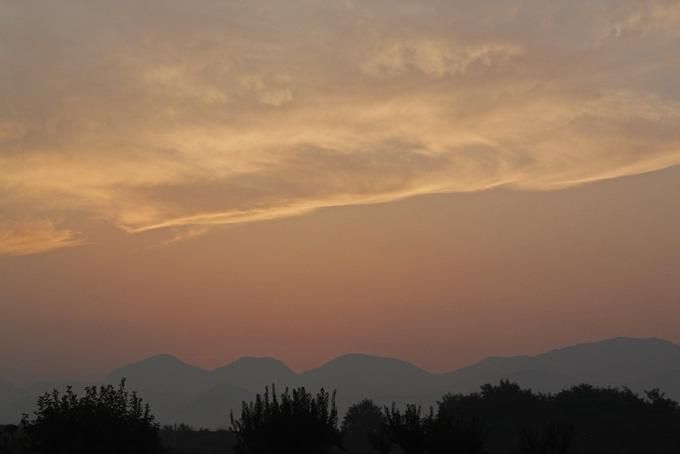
(324, 362)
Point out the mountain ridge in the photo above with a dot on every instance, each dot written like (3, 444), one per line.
(181, 392)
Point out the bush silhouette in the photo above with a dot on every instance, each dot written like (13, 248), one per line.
(294, 422)
(105, 420)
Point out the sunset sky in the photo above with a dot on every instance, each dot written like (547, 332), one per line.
(436, 180)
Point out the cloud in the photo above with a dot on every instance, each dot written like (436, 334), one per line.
(436, 59)
(189, 115)
(653, 17)
(35, 237)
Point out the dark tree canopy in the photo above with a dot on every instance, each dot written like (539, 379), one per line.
(446, 432)
(553, 439)
(183, 439)
(365, 413)
(363, 428)
(294, 422)
(500, 419)
(442, 432)
(9, 444)
(405, 429)
(106, 420)
(506, 419)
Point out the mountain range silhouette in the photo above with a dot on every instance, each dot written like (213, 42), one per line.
(181, 393)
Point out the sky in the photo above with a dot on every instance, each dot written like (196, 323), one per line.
(433, 180)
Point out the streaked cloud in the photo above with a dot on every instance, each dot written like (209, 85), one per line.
(35, 237)
(193, 114)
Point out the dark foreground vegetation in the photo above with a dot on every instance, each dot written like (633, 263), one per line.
(499, 419)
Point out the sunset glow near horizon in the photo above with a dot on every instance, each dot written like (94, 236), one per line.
(437, 181)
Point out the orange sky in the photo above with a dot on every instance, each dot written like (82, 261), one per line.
(438, 280)
(436, 180)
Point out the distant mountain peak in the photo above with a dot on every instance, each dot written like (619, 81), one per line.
(363, 359)
(255, 362)
(620, 344)
(627, 340)
(161, 367)
(366, 366)
(162, 358)
(254, 373)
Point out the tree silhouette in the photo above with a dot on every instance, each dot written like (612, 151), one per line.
(660, 403)
(446, 432)
(405, 429)
(440, 432)
(7, 439)
(294, 422)
(363, 429)
(106, 420)
(500, 419)
(183, 439)
(554, 439)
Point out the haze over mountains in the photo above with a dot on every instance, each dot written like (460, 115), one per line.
(179, 392)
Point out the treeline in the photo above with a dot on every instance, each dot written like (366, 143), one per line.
(499, 419)
(507, 419)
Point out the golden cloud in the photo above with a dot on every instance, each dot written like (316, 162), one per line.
(35, 237)
(189, 116)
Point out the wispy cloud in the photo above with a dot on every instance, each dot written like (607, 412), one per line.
(183, 115)
(35, 237)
